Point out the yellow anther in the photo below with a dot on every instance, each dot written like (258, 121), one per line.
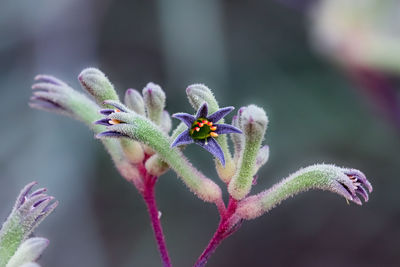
(213, 128)
(117, 110)
(213, 134)
(209, 123)
(197, 129)
(205, 121)
(200, 124)
(114, 121)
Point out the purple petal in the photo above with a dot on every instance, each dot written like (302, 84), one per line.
(226, 128)
(117, 105)
(106, 111)
(24, 193)
(360, 190)
(213, 147)
(110, 134)
(44, 103)
(49, 79)
(103, 122)
(183, 139)
(203, 111)
(185, 118)
(37, 203)
(38, 192)
(357, 200)
(360, 177)
(219, 114)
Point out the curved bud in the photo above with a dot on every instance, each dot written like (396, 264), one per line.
(133, 150)
(198, 94)
(154, 99)
(134, 101)
(97, 84)
(156, 166)
(28, 251)
(345, 182)
(254, 124)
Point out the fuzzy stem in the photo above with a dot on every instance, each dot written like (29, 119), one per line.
(227, 226)
(149, 198)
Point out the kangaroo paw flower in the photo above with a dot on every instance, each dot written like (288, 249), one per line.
(29, 211)
(203, 130)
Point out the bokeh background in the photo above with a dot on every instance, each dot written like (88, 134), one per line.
(248, 52)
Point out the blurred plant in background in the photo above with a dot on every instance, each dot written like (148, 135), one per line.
(363, 37)
(137, 138)
(17, 247)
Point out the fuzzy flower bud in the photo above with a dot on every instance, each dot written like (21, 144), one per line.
(348, 183)
(28, 252)
(156, 166)
(134, 101)
(97, 84)
(154, 99)
(253, 124)
(198, 94)
(132, 150)
(29, 211)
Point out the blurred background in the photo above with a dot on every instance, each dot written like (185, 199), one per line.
(325, 71)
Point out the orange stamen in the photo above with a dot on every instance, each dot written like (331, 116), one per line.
(205, 121)
(200, 124)
(209, 123)
(197, 129)
(213, 128)
(117, 110)
(114, 121)
(213, 134)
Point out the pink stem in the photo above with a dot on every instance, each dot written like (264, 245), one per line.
(149, 198)
(225, 229)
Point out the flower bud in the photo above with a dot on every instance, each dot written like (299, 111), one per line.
(253, 124)
(133, 150)
(96, 83)
(134, 101)
(156, 166)
(198, 94)
(154, 99)
(348, 183)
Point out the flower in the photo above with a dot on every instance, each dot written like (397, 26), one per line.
(204, 131)
(29, 211)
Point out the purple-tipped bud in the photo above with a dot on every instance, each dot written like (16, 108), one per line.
(29, 211)
(154, 99)
(134, 101)
(348, 183)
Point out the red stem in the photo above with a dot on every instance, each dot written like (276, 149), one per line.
(149, 197)
(225, 229)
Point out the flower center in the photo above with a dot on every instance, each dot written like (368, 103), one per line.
(202, 129)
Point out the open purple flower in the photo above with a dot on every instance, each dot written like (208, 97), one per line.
(203, 130)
